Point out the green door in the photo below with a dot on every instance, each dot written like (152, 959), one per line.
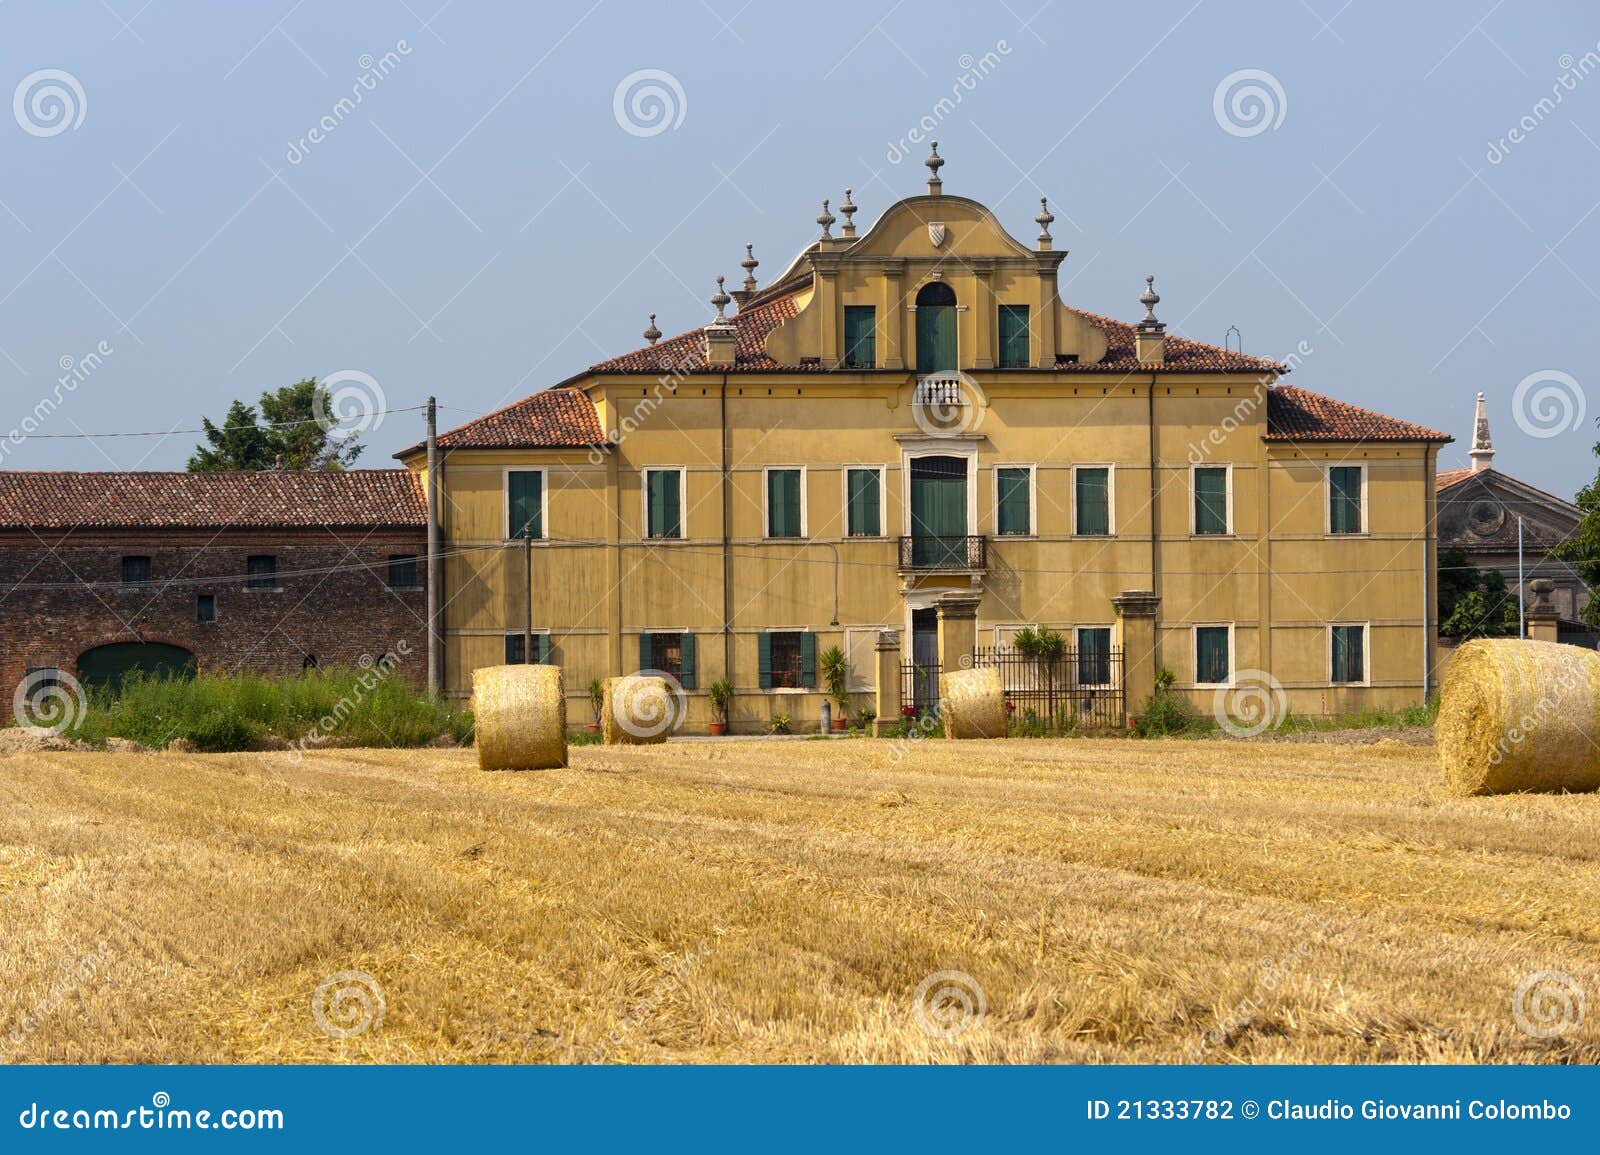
(108, 665)
(936, 329)
(939, 512)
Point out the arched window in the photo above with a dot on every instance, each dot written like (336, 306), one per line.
(936, 329)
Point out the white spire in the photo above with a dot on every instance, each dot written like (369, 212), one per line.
(1482, 451)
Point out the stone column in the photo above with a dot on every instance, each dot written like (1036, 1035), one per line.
(1135, 636)
(891, 317)
(888, 705)
(1542, 618)
(958, 630)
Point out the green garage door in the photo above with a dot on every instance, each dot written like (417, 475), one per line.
(108, 665)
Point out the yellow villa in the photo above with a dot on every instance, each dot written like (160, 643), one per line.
(910, 446)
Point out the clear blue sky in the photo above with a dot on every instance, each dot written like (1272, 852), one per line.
(480, 225)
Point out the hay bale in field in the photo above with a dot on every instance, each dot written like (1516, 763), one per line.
(520, 715)
(640, 710)
(972, 704)
(1520, 716)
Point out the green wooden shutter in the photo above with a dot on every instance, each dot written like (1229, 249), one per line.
(764, 660)
(525, 493)
(543, 641)
(783, 503)
(686, 662)
(645, 654)
(1211, 654)
(513, 649)
(864, 508)
(1349, 660)
(808, 660)
(663, 492)
(1013, 514)
(860, 324)
(1211, 500)
(1344, 499)
(936, 339)
(1014, 353)
(1092, 501)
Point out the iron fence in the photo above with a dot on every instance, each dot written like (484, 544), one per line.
(969, 552)
(1080, 690)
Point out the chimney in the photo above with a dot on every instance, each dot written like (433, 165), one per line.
(1482, 451)
(722, 340)
(1150, 335)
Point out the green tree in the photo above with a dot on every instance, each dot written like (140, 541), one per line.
(1582, 549)
(1473, 603)
(286, 435)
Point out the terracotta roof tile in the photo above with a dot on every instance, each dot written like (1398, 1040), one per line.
(1298, 415)
(1445, 478)
(686, 352)
(1182, 355)
(556, 418)
(281, 500)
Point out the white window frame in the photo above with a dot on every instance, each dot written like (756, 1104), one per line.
(939, 447)
(683, 501)
(1327, 498)
(544, 500)
(1194, 654)
(1111, 498)
(1033, 497)
(844, 501)
(1366, 653)
(766, 513)
(1227, 485)
(1111, 633)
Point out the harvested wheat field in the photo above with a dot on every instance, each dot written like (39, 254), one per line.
(783, 902)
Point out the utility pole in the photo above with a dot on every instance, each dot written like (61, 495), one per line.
(435, 662)
(1522, 621)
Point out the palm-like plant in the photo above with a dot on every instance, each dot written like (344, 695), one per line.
(1045, 648)
(835, 669)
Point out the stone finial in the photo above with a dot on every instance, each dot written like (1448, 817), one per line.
(934, 162)
(1045, 219)
(1482, 451)
(825, 219)
(1150, 299)
(652, 334)
(720, 299)
(849, 211)
(749, 265)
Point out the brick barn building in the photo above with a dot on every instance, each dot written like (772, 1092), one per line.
(270, 573)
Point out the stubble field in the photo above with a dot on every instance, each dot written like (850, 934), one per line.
(743, 901)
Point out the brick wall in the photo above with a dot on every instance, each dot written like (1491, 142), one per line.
(61, 594)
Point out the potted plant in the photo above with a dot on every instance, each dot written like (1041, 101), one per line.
(865, 718)
(780, 723)
(835, 670)
(597, 699)
(721, 694)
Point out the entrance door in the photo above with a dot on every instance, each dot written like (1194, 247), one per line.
(925, 660)
(936, 329)
(939, 512)
(108, 665)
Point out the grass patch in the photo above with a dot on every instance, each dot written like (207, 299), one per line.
(226, 712)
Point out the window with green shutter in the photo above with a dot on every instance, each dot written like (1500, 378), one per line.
(672, 654)
(1344, 499)
(1092, 500)
(663, 500)
(860, 336)
(514, 649)
(1013, 494)
(864, 502)
(1094, 655)
(787, 660)
(1349, 654)
(1211, 499)
(1014, 337)
(1211, 659)
(783, 502)
(525, 503)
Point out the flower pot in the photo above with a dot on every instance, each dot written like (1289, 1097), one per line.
(718, 729)
(840, 725)
(593, 727)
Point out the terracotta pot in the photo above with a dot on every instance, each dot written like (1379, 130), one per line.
(718, 729)
(593, 727)
(841, 724)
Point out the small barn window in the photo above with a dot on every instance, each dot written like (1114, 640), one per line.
(262, 569)
(402, 571)
(135, 570)
(205, 607)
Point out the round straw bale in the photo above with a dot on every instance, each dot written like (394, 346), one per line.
(520, 715)
(972, 704)
(1520, 716)
(640, 710)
